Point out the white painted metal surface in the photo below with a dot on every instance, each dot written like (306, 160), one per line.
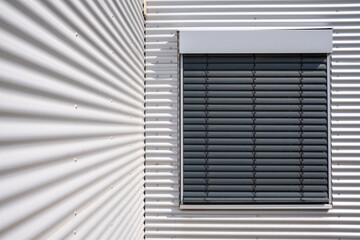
(163, 217)
(256, 41)
(71, 120)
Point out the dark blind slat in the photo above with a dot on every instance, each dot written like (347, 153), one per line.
(259, 73)
(249, 161)
(253, 200)
(257, 121)
(258, 175)
(223, 100)
(258, 107)
(258, 188)
(258, 141)
(239, 134)
(260, 181)
(259, 80)
(257, 148)
(271, 128)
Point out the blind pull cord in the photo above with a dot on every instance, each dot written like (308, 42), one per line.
(253, 130)
(301, 131)
(207, 129)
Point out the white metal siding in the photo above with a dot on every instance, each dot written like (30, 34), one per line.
(163, 217)
(71, 119)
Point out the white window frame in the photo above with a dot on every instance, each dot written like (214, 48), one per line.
(274, 206)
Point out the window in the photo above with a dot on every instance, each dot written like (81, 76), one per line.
(255, 128)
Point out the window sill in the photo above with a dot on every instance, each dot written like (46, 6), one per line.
(256, 207)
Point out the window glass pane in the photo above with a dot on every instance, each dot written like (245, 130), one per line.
(255, 129)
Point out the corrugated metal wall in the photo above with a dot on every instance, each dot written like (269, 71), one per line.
(163, 218)
(71, 119)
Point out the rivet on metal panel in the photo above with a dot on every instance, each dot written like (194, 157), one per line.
(75, 106)
(75, 213)
(76, 34)
(75, 159)
(111, 138)
(74, 232)
(111, 100)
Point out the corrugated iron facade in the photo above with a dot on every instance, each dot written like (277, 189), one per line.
(163, 217)
(71, 119)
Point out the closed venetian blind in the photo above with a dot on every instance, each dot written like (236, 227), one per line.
(255, 129)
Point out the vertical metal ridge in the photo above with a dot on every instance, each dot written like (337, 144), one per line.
(71, 120)
(163, 217)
